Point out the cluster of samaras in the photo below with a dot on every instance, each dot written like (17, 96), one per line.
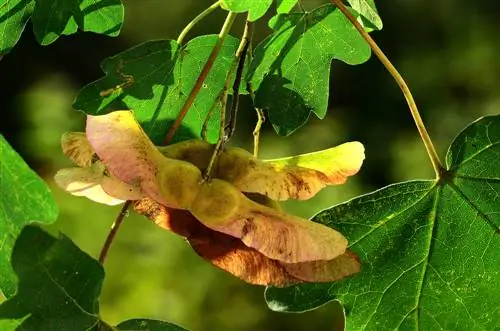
(232, 220)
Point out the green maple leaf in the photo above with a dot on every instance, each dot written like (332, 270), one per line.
(53, 18)
(155, 79)
(255, 8)
(59, 287)
(429, 249)
(25, 199)
(290, 70)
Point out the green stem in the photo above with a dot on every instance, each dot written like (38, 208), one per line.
(429, 146)
(203, 75)
(195, 21)
(112, 232)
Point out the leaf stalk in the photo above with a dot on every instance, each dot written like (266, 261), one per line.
(112, 232)
(195, 21)
(228, 23)
(429, 146)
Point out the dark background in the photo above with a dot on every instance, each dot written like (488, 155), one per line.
(446, 50)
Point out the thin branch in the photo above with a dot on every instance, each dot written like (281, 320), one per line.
(195, 21)
(261, 119)
(429, 146)
(203, 75)
(112, 232)
(241, 54)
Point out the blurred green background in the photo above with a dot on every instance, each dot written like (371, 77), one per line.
(448, 51)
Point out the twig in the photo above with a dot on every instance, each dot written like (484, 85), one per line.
(195, 21)
(241, 54)
(261, 119)
(429, 146)
(112, 232)
(203, 75)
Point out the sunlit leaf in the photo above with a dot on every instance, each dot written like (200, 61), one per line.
(284, 6)
(290, 70)
(429, 249)
(255, 8)
(53, 18)
(25, 199)
(14, 14)
(154, 79)
(368, 11)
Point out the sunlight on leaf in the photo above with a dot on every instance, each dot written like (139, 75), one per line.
(155, 78)
(52, 19)
(25, 199)
(291, 68)
(368, 11)
(255, 8)
(15, 14)
(429, 249)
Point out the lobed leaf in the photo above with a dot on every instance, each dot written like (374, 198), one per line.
(429, 248)
(290, 69)
(58, 284)
(59, 288)
(25, 199)
(155, 78)
(53, 18)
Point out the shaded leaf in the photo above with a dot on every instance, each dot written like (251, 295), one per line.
(14, 14)
(290, 69)
(429, 249)
(25, 199)
(154, 79)
(58, 284)
(255, 8)
(59, 288)
(148, 325)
